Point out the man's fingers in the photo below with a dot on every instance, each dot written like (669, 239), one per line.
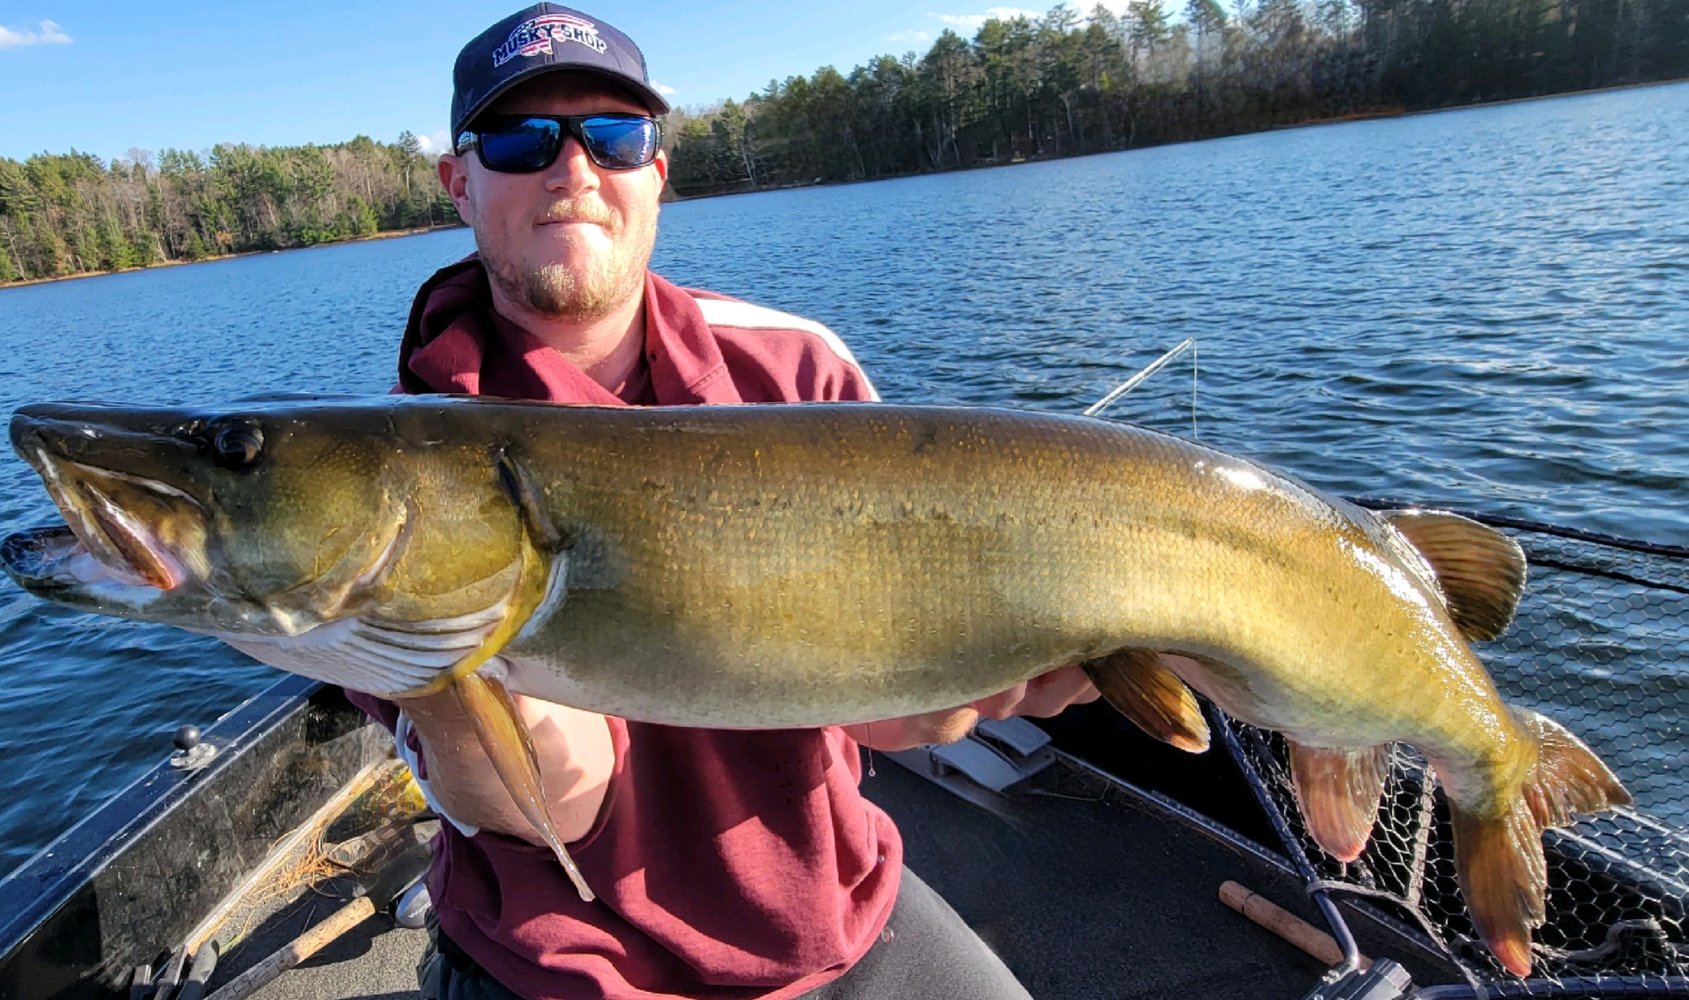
(948, 727)
(945, 726)
(1003, 704)
(1042, 696)
(1048, 694)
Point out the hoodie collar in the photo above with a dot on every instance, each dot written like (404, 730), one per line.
(454, 341)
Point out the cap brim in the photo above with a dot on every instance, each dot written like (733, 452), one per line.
(652, 100)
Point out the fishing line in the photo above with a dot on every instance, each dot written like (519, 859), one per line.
(1189, 343)
(1195, 436)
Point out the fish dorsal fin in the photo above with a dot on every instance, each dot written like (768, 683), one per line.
(1481, 571)
(1338, 791)
(1140, 687)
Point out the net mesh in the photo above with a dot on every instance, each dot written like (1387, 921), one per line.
(1601, 643)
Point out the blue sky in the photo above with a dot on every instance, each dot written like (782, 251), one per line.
(108, 77)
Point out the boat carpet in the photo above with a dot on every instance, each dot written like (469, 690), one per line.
(1085, 897)
(1088, 895)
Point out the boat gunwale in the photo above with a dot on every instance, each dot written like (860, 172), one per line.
(66, 891)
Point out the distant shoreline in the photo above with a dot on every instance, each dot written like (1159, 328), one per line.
(670, 195)
(385, 235)
(1373, 114)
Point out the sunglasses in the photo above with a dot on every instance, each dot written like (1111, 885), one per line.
(524, 144)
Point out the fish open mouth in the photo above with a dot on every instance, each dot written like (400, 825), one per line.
(105, 538)
(122, 543)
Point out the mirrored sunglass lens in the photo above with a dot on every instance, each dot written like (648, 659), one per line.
(526, 145)
(620, 142)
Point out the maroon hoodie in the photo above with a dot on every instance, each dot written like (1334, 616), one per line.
(728, 864)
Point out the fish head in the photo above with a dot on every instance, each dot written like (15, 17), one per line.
(264, 518)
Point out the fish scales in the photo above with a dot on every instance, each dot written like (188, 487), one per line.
(778, 566)
(830, 564)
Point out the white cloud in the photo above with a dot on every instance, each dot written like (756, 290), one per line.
(45, 33)
(974, 22)
(662, 88)
(909, 36)
(434, 143)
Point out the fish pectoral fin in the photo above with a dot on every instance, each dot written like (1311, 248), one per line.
(1141, 687)
(1480, 570)
(492, 711)
(1504, 878)
(505, 739)
(1338, 791)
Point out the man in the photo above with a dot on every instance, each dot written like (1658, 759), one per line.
(728, 864)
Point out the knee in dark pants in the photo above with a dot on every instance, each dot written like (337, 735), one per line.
(430, 978)
(926, 950)
(445, 973)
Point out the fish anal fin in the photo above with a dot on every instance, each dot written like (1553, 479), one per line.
(1338, 791)
(1504, 877)
(1480, 570)
(505, 739)
(1141, 687)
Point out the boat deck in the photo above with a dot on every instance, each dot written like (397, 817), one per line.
(1086, 885)
(1084, 892)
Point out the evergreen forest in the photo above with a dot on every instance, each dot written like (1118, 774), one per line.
(1066, 84)
(1061, 84)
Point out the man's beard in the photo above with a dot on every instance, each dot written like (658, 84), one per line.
(600, 288)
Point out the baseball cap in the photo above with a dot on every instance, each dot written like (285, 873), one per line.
(544, 38)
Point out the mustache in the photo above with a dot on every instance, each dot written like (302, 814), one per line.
(578, 211)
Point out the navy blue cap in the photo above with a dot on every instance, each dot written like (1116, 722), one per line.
(544, 38)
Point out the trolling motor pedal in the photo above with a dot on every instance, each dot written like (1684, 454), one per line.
(1385, 980)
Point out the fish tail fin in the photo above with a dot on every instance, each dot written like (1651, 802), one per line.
(1338, 791)
(503, 736)
(1504, 877)
(1500, 858)
(1568, 778)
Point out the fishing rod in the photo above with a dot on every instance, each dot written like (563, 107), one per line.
(1154, 366)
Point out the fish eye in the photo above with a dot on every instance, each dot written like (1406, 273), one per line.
(236, 446)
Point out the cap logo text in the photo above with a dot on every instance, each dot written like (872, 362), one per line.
(536, 36)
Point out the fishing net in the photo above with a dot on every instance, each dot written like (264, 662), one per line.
(1601, 643)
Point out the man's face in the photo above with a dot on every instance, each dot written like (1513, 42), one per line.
(571, 241)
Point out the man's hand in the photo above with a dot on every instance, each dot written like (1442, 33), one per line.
(1042, 696)
(574, 750)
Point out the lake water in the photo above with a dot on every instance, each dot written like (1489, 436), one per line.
(1486, 307)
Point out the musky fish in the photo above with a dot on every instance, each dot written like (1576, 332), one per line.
(813, 564)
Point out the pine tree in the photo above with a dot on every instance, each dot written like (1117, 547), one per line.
(114, 251)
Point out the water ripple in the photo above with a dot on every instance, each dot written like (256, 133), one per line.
(1487, 306)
